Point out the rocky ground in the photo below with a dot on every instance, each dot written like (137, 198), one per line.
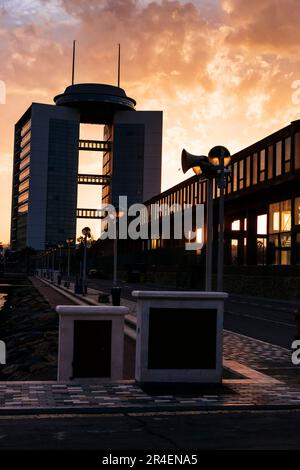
(29, 328)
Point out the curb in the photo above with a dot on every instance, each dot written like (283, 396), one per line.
(143, 409)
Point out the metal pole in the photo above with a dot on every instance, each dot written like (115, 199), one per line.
(115, 268)
(119, 64)
(73, 62)
(59, 265)
(53, 264)
(69, 255)
(221, 230)
(84, 265)
(209, 236)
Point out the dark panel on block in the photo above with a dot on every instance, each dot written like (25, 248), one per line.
(92, 348)
(182, 338)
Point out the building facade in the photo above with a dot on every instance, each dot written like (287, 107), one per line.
(135, 156)
(46, 155)
(262, 203)
(45, 165)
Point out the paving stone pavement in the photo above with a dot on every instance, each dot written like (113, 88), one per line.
(255, 353)
(125, 396)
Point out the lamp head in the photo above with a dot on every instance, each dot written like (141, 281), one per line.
(195, 162)
(216, 154)
(86, 232)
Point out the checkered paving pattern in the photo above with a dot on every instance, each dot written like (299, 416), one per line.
(129, 396)
(254, 353)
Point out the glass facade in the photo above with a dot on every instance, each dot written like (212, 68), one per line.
(278, 158)
(262, 165)
(297, 151)
(280, 224)
(287, 155)
(297, 211)
(270, 161)
(248, 171)
(241, 174)
(254, 169)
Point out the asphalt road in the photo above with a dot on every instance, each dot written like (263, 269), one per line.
(264, 319)
(214, 430)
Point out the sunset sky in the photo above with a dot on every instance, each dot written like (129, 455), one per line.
(221, 70)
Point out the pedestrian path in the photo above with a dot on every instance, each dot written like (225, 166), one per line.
(255, 388)
(256, 375)
(90, 298)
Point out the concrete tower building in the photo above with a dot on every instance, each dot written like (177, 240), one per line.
(46, 155)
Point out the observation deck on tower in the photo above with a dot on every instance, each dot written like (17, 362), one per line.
(96, 103)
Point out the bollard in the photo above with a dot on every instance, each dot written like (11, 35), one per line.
(297, 319)
(179, 337)
(91, 342)
(116, 295)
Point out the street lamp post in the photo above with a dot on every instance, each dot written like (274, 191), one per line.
(53, 263)
(69, 242)
(60, 246)
(212, 167)
(219, 157)
(118, 216)
(115, 266)
(86, 232)
(209, 236)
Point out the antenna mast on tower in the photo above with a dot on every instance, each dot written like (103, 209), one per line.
(73, 62)
(119, 64)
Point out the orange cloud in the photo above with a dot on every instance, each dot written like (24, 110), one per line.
(220, 70)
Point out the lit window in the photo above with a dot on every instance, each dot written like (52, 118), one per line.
(241, 174)
(278, 158)
(261, 244)
(245, 224)
(236, 224)
(270, 162)
(285, 241)
(297, 150)
(254, 169)
(262, 165)
(286, 221)
(297, 211)
(276, 222)
(199, 235)
(262, 224)
(280, 217)
(287, 155)
(154, 244)
(248, 170)
(234, 171)
(204, 191)
(234, 251)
